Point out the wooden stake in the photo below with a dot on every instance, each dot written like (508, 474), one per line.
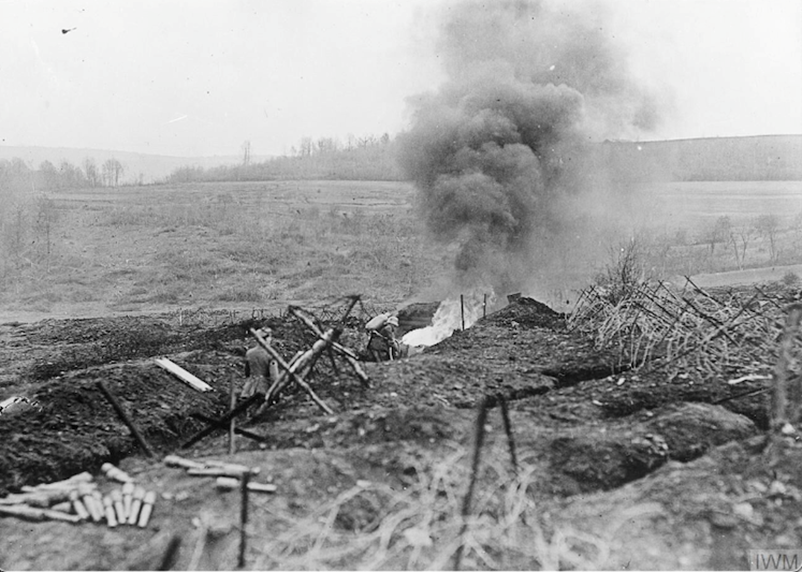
(125, 419)
(280, 381)
(347, 354)
(170, 555)
(237, 430)
(317, 348)
(484, 306)
(223, 420)
(479, 438)
(354, 299)
(243, 539)
(462, 310)
(232, 424)
(314, 396)
(505, 415)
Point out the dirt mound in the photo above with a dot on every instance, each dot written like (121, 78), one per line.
(593, 438)
(682, 432)
(527, 312)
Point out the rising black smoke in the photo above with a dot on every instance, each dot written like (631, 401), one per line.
(496, 149)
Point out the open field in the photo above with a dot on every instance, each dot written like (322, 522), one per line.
(262, 245)
(695, 205)
(233, 245)
(638, 425)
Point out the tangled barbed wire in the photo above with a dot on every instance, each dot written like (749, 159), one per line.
(655, 326)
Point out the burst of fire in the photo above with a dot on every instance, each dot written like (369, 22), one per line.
(449, 317)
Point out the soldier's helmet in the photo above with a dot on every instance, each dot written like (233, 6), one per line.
(393, 321)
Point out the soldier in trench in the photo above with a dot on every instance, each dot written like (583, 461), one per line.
(261, 370)
(382, 345)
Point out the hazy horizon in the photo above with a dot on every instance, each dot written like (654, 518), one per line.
(198, 79)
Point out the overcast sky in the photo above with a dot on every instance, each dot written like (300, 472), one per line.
(199, 77)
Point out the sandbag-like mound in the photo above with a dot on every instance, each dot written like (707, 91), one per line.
(529, 313)
(605, 460)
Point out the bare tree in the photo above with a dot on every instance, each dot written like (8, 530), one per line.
(112, 171)
(327, 145)
(740, 237)
(90, 170)
(246, 153)
(366, 141)
(718, 233)
(305, 148)
(768, 225)
(70, 176)
(47, 175)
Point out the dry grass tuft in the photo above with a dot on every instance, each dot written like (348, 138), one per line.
(375, 526)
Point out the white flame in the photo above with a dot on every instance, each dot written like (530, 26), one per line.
(449, 317)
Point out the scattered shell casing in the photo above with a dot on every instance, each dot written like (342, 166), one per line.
(111, 518)
(114, 473)
(176, 461)
(139, 494)
(117, 500)
(78, 506)
(147, 508)
(70, 483)
(63, 507)
(86, 493)
(128, 493)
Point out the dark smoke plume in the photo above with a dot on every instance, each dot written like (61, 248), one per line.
(494, 152)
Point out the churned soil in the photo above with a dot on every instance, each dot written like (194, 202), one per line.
(668, 471)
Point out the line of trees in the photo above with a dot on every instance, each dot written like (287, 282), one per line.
(17, 175)
(357, 158)
(739, 237)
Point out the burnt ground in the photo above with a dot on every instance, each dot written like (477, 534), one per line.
(663, 471)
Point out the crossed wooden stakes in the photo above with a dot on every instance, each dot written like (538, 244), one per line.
(296, 370)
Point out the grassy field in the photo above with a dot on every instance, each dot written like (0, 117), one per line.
(263, 245)
(249, 245)
(697, 204)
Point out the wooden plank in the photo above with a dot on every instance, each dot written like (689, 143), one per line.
(183, 375)
(37, 514)
(237, 430)
(125, 419)
(223, 421)
(230, 483)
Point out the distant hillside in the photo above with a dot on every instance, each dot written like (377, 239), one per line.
(762, 157)
(150, 167)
